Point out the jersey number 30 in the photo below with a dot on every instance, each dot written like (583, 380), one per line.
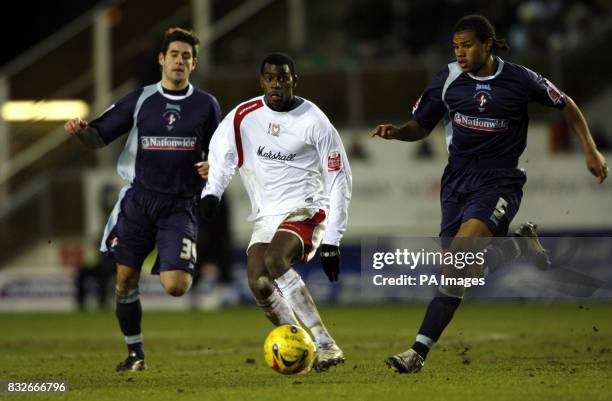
(188, 251)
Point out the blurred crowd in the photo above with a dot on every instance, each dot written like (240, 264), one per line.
(397, 30)
(374, 31)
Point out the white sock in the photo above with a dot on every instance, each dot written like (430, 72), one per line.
(294, 290)
(277, 309)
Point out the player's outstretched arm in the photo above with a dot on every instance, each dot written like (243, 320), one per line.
(86, 134)
(595, 161)
(409, 132)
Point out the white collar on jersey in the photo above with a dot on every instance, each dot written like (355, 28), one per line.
(174, 97)
(500, 65)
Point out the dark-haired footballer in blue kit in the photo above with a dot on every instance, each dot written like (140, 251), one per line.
(482, 100)
(170, 125)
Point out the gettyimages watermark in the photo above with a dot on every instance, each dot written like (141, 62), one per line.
(516, 267)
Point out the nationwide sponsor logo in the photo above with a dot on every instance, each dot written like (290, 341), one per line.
(482, 124)
(168, 143)
(334, 161)
(553, 93)
(172, 114)
(270, 155)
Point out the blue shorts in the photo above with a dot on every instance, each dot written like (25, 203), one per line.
(492, 196)
(147, 219)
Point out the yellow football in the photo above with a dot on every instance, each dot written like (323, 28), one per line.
(289, 349)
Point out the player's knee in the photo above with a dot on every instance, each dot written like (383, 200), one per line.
(261, 286)
(176, 289)
(177, 285)
(276, 263)
(127, 279)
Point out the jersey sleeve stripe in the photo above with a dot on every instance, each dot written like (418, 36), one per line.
(241, 113)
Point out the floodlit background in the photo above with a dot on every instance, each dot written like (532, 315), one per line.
(362, 62)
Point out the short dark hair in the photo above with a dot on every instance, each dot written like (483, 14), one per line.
(181, 35)
(278, 59)
(482, 28)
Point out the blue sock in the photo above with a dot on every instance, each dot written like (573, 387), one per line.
(129, 314)
(439, 313)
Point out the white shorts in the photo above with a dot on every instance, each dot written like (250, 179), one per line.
(306, 224)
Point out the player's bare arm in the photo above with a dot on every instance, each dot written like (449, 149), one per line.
(409, 132)
(202, 168)
(595, 161)
(86, 134)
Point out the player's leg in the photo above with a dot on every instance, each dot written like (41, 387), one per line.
(297, 241)
(129, 314)
(176, 239)
(442, 307)
(497, 207)
(525, 243)
(530, 246)
(128, 244)
(283, 251)
(267, 296)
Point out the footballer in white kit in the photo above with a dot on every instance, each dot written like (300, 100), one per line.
(295, 170)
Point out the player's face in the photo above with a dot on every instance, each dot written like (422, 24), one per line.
(470, 52)
(177, 64)
(277, 84)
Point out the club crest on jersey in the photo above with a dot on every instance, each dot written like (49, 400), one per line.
(482, 98)
(553, 93)
(171, 115)
(274, 129)
(334, 161)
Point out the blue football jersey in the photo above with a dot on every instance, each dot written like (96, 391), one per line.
(168, 134)
(485, 118)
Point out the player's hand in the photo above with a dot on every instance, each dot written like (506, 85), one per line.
(207, 207)
(597, 165)
(75, 126)
(330, 260)
(385, 131)
(202, 168)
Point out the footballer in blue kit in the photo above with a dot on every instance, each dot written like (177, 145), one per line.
(169, 126)
(482, 101)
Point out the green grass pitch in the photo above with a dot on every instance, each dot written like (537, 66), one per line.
(489, 352)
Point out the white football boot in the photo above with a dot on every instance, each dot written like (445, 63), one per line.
(406, 362)
(327, 355)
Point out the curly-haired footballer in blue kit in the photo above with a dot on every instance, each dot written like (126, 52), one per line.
(170, 125)
(483, 102)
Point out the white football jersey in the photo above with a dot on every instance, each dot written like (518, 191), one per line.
(287, 161)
